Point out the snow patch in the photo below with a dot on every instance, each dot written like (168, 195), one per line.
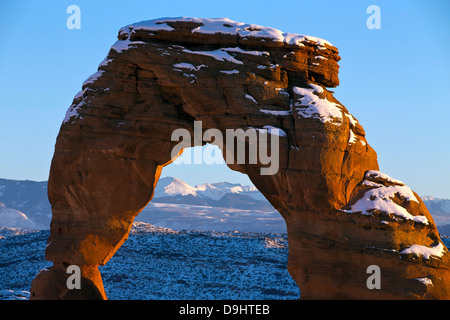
(352, 120)
(230, 71)
(105, 62)
(227, 26)
(148, 25)
(71, 112)
(249, 97)
(424, 251)
(123, 45)
(185, 65)
(276, 112)
(380, 198)
(220, 26)
(254, 53)
(352, 138)
(275, 131)
(220, 55)
(311, 106)
(377, 175)
(425, 281)
(282, 91)
(93, 77)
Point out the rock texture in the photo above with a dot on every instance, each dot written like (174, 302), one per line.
(342, 214)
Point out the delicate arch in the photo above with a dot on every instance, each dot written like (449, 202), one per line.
(342, 214)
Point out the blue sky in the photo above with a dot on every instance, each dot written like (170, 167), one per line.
(393, 80)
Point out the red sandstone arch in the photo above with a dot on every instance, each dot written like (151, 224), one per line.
(163, 75)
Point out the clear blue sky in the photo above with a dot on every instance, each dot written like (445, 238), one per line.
(395, 80)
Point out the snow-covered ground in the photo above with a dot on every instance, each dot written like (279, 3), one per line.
(195, 217)
(158, 263)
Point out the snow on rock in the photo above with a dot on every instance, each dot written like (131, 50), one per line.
(352, 120)
(275, 131)
(220, 55)
(311, 106)
(93, 77)
(230, 71)
(425, 281)
(149, 25)
(375, 175)
(249, 97)
(276, 112)
(381, 197)
(185, 65)
(282, 91)
(216, 26)
(352, 137)
(226, 26)
(71, 112)
(255, 53)
(424, 251)
(105, 62)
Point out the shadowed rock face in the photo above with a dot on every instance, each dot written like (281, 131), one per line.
(342, 214)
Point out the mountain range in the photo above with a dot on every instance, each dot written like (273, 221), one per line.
(177, 205)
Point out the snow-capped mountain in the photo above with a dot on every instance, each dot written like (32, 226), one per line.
(216, 191)
(177, 205)
(12, 218)
(219, 206)
(172, 187)
(28, 197)
(440, 210)
(211, 206)
(222, 194)
(437, 205)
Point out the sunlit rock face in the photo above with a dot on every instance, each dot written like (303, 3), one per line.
(342, 214)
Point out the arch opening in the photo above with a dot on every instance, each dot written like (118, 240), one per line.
(228, 242)
(207, 195)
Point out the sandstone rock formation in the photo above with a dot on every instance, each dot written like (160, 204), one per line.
(342, 214)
